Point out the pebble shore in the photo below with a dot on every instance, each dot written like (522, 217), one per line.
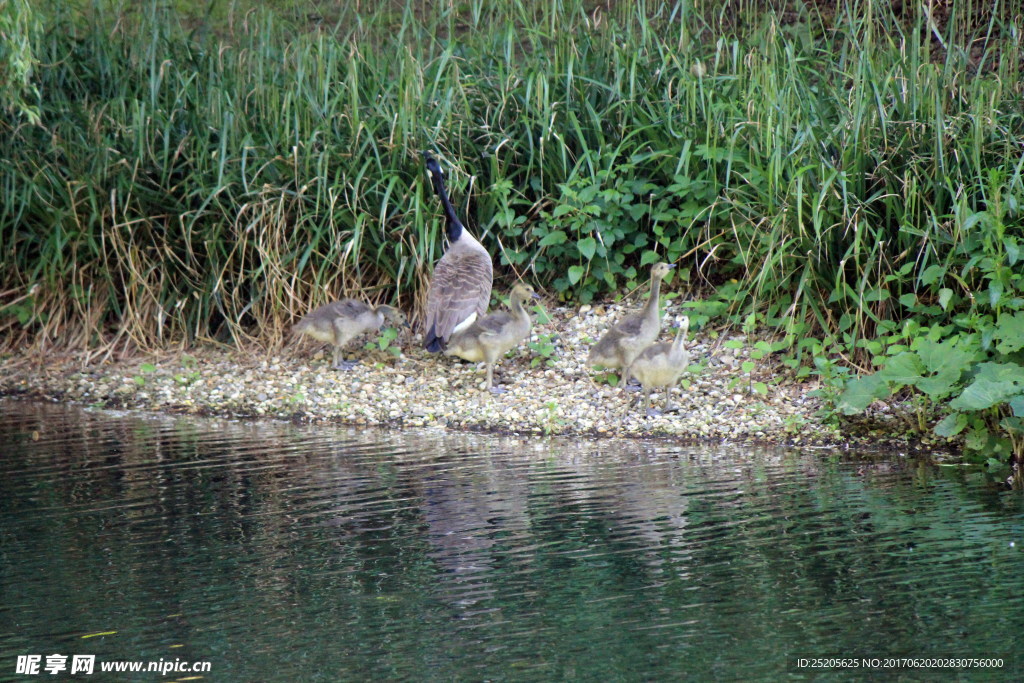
(549, 388)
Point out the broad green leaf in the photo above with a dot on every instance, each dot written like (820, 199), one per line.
(860, 392)
(1012, 424)
(944, 356)
(995, 383)
(945, 294)
(649, 257)
(995, 293)
(552, 238)
(951, 425)
(974, 219)
(903, 368)
(1017, 405)
(587, 247)
(977, 439)
(932, 274)
(879, 294)
(575, 274)
(940, 386)
(1012, 250)
(1010, 333)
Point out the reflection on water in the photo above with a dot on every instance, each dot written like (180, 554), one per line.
(281, 552)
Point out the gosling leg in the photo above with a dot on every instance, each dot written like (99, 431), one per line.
(627, 376)
(648, 410)
(490, 381)
(342, 364)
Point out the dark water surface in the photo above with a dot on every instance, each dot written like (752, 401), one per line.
(290, 553)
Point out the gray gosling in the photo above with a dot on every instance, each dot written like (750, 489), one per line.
(631, 335)
(488, 338)
(460, 289)
(660, 365)
(339, 322)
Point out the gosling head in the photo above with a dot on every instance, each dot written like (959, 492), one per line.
(660, 270)
(523, 291)
(393, 315)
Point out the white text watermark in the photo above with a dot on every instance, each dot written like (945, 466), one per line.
(86, 664)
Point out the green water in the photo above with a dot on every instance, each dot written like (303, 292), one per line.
(278, 552)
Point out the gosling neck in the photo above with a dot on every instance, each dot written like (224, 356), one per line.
(680, 341)
(652, 301)
(518, 310)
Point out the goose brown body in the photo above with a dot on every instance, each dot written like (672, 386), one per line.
(460, 289)
(487, 339)
(627, 338)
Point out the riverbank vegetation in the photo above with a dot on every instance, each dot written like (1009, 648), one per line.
(843, 179)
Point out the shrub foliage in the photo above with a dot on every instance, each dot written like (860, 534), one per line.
(836, 171)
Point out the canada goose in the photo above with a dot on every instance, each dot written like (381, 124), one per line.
(460, 289)
(660, 365)
(339, 322)
(488, 338)
(631, 335)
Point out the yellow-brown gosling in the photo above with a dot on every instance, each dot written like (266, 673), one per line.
(460, 289)
(338, 322)
(660, 365)
(488, 338)
(631, 335)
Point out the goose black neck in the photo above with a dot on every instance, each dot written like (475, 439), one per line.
(454, 226)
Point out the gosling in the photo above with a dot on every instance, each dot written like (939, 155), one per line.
(339, 322)
(488, 338)
(660, 365)
(631, 335)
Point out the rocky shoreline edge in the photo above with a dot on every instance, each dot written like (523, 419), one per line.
(549, 390)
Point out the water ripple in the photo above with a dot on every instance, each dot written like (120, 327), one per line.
(293, 552)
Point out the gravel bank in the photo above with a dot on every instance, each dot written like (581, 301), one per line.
(549, 392)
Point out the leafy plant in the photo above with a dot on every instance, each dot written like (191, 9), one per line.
(543, 348)
(551, 421)
(973, 368)
(144, 369)
(385, 342)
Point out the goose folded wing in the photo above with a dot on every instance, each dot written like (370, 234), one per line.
(461, 287)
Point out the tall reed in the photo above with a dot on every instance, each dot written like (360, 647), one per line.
(187, 185)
